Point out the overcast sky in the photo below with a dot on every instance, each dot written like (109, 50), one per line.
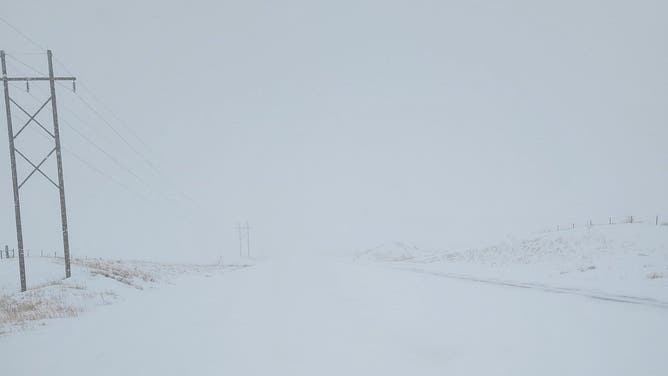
(336, 126)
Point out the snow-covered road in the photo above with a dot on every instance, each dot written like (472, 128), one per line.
(321, 317)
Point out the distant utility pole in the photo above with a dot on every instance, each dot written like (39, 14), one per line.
(248, 238)
(36, 167)
(241, 247)
(244, 234)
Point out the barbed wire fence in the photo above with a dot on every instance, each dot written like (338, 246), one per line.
(10, 253)
(654, 220)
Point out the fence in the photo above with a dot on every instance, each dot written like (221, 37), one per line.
(8, 253)
(655, 220)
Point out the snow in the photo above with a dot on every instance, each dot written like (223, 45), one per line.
(389, 312)
(94, 282)
(395, 251)
(624, 260)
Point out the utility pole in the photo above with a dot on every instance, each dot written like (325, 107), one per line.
(248, 239)
(36, 167)
(244, 232)
(59, 160)
(241, 248)
(12, 159)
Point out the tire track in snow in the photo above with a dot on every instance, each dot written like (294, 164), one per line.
(552, 289)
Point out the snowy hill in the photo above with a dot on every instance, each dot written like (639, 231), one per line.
(396, 252)
(626, 259)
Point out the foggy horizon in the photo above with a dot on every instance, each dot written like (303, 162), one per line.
(336, 127)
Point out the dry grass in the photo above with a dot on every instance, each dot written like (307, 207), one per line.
(68, 298)
(117, 270)
(49, 301)
(34, 305)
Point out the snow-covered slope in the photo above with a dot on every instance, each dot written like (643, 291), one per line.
(94, 282)
(625, 259)
(396, 252)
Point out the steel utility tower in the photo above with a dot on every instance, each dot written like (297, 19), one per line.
(36, 167)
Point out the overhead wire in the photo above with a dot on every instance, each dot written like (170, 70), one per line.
(92, 109)
(87, 139)
(100, 149)
(84, 161)
(19, 32)
(155, 168)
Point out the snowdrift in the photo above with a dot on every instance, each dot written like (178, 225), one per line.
(629, 259)
(396, 252)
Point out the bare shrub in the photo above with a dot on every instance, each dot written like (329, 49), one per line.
(654, 275)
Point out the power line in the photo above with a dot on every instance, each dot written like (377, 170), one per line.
(135, 150)
(156, 169)
(19, 32)
(87, 139)
(153, 166)
(24, 64)
(97, 113)
(99, 148)
(95, 145)
(106, 107)
(114, 129)
(94, 168)
(103, 151)
(102, 173)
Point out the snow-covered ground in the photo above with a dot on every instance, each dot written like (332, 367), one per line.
(624, 261)
(317, 317)
(426, 314)
(94, 282)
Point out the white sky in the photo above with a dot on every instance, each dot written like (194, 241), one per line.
(336, 126)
